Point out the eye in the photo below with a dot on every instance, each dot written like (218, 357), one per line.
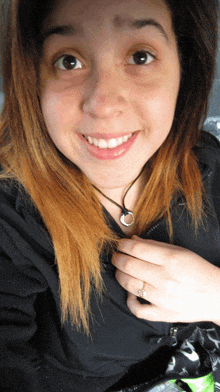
(141, 57)
(68, 63)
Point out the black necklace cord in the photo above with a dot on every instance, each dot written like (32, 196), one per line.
(123, 200)
(108, 198)
(124, 210)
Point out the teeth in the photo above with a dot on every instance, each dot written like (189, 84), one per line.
(95, 142)
(124, 138)
(90, 139)
(102, 143)
(110, 143)
(120, 141)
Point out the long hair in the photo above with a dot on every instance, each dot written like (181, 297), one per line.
(61, 192)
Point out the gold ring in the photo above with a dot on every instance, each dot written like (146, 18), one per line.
(142, 293)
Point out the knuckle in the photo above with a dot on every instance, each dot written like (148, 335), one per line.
(127, 265)
(135, 247)
(127, 286)
(169, 253)
(174, 257)
(117, 275)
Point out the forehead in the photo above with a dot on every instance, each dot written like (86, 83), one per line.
(104, 13)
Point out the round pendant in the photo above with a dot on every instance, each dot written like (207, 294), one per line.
(131, 218)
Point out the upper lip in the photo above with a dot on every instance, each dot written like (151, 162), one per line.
(107, 136)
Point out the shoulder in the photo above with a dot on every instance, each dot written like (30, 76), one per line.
(208, 139)
(16, 202)
(8, 193)
(208, 149)
(13, 196)
(25, 241)
(209, 161)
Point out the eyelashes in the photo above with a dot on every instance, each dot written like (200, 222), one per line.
(69, 62)
(142, 57)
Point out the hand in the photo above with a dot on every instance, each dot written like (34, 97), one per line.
(180, 285)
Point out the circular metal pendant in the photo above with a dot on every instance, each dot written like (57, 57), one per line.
(122, 218)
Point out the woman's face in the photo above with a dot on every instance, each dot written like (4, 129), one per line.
(110, 76)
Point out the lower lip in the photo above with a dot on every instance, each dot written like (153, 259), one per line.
(109, 153)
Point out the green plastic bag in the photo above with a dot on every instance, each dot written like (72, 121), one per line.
(201, 384)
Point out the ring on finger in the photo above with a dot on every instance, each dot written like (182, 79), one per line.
(142, 293)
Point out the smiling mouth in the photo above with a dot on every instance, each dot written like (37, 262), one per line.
(110, 143)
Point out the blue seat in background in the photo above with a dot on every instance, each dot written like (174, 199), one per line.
(1, 100)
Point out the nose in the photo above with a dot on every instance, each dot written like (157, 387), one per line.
(105, 96)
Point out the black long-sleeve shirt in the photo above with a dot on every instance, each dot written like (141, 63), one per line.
(37, 353)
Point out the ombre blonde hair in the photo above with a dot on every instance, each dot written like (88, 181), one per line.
(61, 192)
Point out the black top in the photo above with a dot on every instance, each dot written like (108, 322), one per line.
(37, 354)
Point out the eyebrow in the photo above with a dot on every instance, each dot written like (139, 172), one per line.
(118, 22)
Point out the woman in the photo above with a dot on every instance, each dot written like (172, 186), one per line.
(110, 246)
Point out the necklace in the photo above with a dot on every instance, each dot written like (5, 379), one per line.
(125, 211)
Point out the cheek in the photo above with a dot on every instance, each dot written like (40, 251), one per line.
(157, 104)
(157, 111)
(60, 117)
(60, 110)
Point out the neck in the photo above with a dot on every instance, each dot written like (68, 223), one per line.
(117, 195)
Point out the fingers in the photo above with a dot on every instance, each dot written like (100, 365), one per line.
(154, 252)
(135, 286)
(145, 312)
(136, 268)
(150, 312)
(177, 281)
